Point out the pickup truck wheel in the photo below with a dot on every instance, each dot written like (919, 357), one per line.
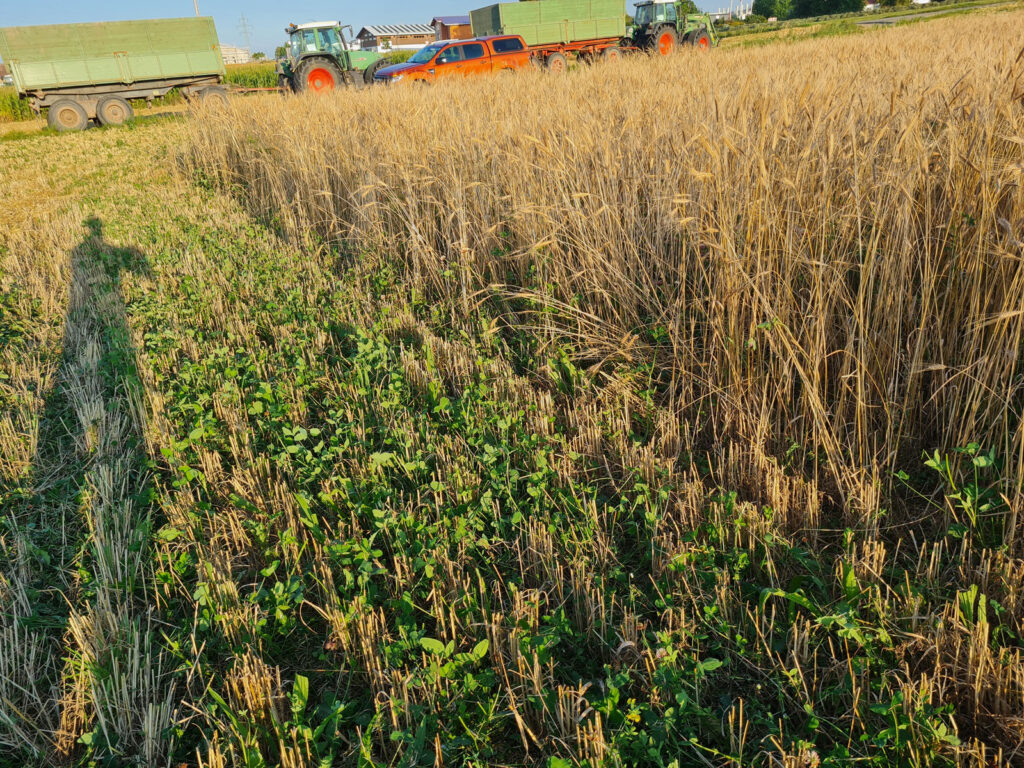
(67, 115)
(557, 63)
(318, 76)
(113, 110)
(371, 70)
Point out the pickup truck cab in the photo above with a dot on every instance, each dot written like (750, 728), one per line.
(460, 58)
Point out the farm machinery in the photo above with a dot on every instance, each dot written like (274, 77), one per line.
(320, 59)
(663, 26)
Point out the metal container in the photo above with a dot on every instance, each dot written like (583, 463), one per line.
(63, 56)
(548, 22)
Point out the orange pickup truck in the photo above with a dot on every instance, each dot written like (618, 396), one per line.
(460, 58)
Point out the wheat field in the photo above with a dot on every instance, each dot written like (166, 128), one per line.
(666, 413)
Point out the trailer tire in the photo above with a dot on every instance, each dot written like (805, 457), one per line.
(665, 40)
(214, 97)
(557, 63)
(67, 115)
(318, 75)
(371, 70)
(113, 110)
(611, 53)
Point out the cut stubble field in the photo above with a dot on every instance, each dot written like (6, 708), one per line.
(666, 413)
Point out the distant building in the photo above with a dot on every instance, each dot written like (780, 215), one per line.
(452, 27)
(232, 54)
(390, 37)
(740, 12)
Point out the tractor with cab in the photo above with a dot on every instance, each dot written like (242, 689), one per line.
(321, 58)
(661, 27)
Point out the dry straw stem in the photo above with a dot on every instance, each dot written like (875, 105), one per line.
(815, 245)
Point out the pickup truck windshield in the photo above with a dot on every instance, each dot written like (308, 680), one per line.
(423, 55)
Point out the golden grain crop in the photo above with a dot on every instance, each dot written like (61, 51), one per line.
(817, 244)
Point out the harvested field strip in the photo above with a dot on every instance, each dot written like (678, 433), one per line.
(80, 656)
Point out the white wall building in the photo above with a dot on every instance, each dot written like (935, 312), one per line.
(232, 54)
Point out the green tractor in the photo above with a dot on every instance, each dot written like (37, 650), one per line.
(319, 58)
(662, 27)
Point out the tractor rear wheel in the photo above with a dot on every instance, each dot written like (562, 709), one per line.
(67, 115)
(665, 40)
(113, 110)
(371, 70)
(557, 63)
(701, 40)
(318, 76)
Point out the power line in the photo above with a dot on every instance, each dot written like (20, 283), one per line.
(245, 28)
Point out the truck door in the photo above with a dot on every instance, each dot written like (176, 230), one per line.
(477, 62)
(449, 62)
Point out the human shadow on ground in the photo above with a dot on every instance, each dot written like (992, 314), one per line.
(88, 416)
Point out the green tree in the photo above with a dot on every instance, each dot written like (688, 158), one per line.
(768, 8)
(281, 52)
(259, 56)
(688, 6)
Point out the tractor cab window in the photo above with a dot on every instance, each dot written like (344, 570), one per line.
(651, 12)
(304, 41)
(330, 40)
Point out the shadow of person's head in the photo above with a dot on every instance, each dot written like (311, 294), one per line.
(95, 227)
(115, 259)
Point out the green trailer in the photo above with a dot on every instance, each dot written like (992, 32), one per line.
(557, 29)
(93, 71)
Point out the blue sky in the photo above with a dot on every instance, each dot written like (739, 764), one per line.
(267, 19)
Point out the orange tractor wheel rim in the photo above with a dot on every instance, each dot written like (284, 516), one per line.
(665, 45)
(703, 43)
(320, 79)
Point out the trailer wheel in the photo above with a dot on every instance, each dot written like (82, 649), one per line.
(612, 53)
(67, 115)
(701, 40)
(214, 97)
(318, 75)
(113, 110)
(557, 63)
